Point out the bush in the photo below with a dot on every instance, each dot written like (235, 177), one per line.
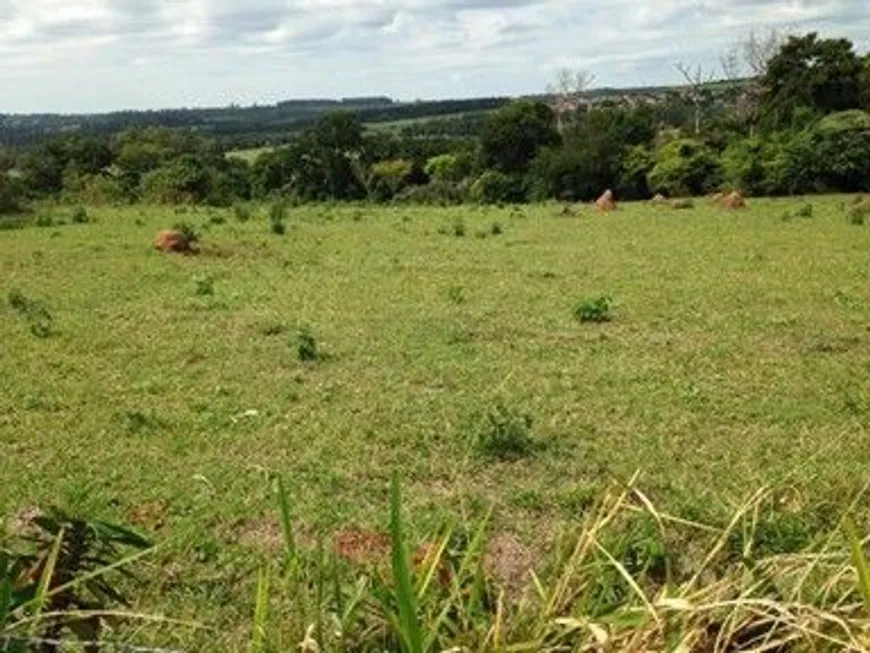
(858, 214)
(277, 214)
(564, 173)
(438, 193)
(595, 309)
(805, 211)
(503, 434)
(11, 194)
(495, 187)
(685, 167)
(37, 315)
(79, 216)
(387, 178)
(306, 346)
(448, 168)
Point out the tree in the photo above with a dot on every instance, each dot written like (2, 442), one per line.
(11, 194)
(513, 135)
(685, 166)
(451, 168)
(842, 150)
(387, 178)
(824, 75)
(184, 180)
(568, 92)
(696, 80)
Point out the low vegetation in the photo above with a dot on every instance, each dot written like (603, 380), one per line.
(172, 387)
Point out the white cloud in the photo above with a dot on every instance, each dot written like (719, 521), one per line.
(92, 55)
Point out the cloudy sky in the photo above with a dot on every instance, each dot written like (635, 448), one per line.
(99, 55)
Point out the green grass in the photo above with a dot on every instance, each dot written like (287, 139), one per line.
(735, 358)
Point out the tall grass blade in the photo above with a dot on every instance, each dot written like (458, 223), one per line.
(261, 612)
(286, 521)
(409, 627)
(5, 588)
(859, 559)
(40, 599)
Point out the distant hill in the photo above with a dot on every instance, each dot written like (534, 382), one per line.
(255, 126)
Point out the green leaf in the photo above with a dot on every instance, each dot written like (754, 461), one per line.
(261, 613)
(5, 588)
(42, 591)
(286, 521)
(859, 559)
(408, 625)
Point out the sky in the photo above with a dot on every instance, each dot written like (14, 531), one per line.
(72, 56)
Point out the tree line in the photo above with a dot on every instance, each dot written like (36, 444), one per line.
(798, 124)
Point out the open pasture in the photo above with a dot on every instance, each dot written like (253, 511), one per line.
(164, 390)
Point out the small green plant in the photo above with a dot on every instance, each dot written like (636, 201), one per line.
(683, 204)
(44, 220)
(278, 211)
(278, 228)
(241, 212)
(458, 228)
(63, 580)
(203, 286)
(496, 229)
(35, 312)
(306, 346)
(805, 211)
(216, 219)
(456, 294)
(188, 231)
(277, 215)
(594, 309)
(503, 434)
(80, 216)
(859, 213)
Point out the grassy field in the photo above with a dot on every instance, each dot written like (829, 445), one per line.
(170, 388)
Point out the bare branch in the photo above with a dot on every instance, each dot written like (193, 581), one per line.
(568, 90)
(758, 50)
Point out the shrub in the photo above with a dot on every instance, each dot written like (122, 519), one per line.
(438, 193)
(448, 168)
(684, 167)
(277, 214)
(387, 178)
(496, 229)
(805, 211)
(79, 216)
(494, 187)
(11, 194)
(458, 228)
(503, 434)
(306, 346)
(36, 314)
(594, 309)
(44, 220)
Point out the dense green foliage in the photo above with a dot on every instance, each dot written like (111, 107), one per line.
(801, 127)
